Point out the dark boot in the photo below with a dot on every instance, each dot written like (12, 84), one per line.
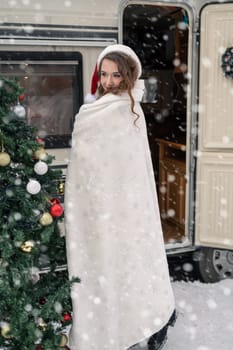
(158, 340)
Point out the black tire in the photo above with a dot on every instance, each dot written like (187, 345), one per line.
(214, 264)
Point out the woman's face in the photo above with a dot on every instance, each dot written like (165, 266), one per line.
(110, 76)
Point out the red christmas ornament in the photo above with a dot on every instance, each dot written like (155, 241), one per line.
(42, 301)
(40, 140)
(56, 210)
(21, 97)
(38, 347)
(67, 316)
(55, 201)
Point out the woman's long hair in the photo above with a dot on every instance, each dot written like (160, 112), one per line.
(128, 69)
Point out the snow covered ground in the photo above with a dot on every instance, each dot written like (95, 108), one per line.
(205, 317)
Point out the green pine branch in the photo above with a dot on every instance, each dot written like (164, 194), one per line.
(34, 290)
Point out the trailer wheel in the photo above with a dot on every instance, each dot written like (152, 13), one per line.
(215, 264)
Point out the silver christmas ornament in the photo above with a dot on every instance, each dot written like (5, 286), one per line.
(41, 168)
(20, 111)
(33, 187)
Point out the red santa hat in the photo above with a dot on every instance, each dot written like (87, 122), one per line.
(112, 48)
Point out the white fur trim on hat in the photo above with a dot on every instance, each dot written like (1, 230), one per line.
(121, 48)
(89, 98)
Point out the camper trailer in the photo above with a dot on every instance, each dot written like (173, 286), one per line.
(185, 50)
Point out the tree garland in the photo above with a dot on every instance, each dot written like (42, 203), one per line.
(227, 63)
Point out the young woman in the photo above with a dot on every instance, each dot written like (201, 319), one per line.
(113, 230)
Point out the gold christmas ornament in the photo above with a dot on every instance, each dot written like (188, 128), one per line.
(64, 340)
(46, 219)
(4, 159)
(42, 324)
(61, 187)
(40, 154)
(27, 246)
(5, 329)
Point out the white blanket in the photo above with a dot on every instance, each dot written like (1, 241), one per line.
(113, 230)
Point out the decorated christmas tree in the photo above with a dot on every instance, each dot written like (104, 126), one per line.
(35, 304)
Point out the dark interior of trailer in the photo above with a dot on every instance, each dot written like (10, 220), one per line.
(159, 35)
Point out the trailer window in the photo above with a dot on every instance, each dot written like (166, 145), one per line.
(52, 94)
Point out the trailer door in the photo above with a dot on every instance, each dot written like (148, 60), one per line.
(214, 186)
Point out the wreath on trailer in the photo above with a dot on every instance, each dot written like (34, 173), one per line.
(227, 62)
